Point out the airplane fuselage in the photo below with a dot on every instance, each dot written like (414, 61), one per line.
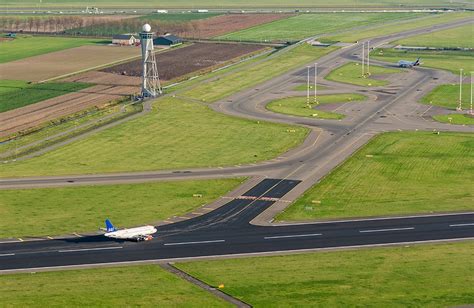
(139, 233)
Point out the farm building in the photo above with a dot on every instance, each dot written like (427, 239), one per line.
(124, 39)
(167, 40)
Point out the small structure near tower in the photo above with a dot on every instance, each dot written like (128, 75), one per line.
(151, 86)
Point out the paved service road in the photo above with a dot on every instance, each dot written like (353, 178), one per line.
(243, 225)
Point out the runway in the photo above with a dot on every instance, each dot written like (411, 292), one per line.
(244, 224)
(226, 231)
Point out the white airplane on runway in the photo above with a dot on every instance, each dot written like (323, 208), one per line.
(408, 64)
(134, 234)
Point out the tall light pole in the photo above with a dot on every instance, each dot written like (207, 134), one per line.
(315, 82)
(471, 96)
(363, 58)
(307, 86)
(460, 90)
(368, 58)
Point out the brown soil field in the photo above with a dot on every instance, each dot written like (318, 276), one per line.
(65, 62)
(182, 61)
(108, 87)
(222, 24)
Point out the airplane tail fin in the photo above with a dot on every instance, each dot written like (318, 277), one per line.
(109, 227)
(417, 62)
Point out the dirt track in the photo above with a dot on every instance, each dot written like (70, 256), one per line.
(109, 87)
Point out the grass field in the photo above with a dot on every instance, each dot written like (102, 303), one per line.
(447, 96)
(15, 93)
(396, 173)
(351, 73)
(143, 286)
(44, 211)
(240, 4)
(255, 73)
(304, 86)
(28, 46)
(307, 25)
(456, 37)
(297, 105)
(369, 32)
(200, 138)
(421, 275)
(460, 119)
(447, 60)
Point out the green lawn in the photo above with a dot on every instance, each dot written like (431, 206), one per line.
(456, 37)
(28, 46)
(307, 25)
(44, 211)
(447, 60)
(421, 275)
(303, 87)
(447, 96)
(352, 73)
(454, 118)
(390, 28)
(298, 105)
(175, 135)
(15, 93)
(395, 174)
(256, 72)
(144, 286)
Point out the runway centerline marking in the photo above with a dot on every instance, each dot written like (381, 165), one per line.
(462, 225)
(191, 243)
(6, 254)
(387, 230)
(90, 249)
(289, 236)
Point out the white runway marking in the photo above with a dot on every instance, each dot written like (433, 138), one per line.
(190, 243)
(6, 254)
(90, 249)
(462, 225)
(386, 230)
(289, 236)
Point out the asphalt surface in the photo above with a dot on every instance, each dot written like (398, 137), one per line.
(244, 224)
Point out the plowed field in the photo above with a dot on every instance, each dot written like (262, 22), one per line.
(182, 61)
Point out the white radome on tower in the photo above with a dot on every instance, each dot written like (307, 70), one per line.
(146, 28)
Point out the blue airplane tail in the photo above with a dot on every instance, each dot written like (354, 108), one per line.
(109, 227)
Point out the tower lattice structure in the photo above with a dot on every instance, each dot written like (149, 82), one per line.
(151, 86)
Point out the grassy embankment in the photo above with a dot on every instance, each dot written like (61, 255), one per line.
(308, 25)
(146, 286)
(451, 38)
(386, 29)
(297, 105)
(28, 46)
(15, 93)
(351, 73)
(395, 174)
(255, 73)
(238, 4)
(422, 275)
(447, 60)
(199, 138)
(44, 211)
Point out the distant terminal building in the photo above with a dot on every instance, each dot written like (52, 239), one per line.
(124, 39)
(162, 11)
(167, 40)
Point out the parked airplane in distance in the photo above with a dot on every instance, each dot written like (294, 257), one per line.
(404, 63)
(134, 234)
